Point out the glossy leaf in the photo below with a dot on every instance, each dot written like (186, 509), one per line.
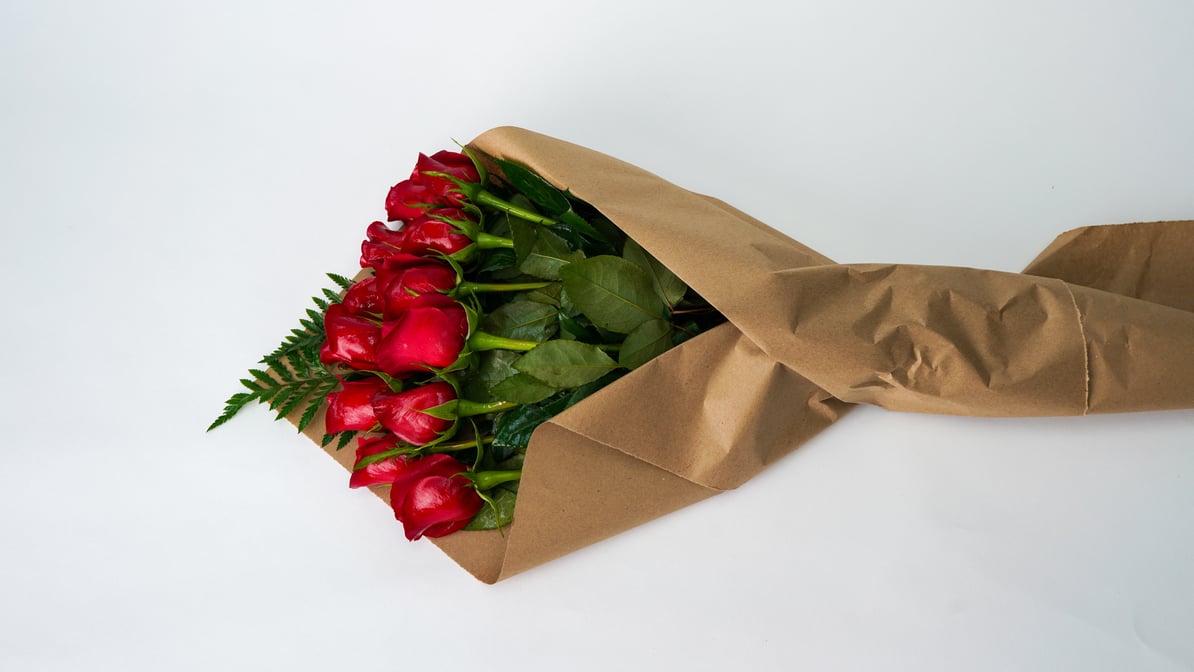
(565, 363)
(669, 287)
(522, 389)
(523, 320)
(549, 254)
(649, 340)
(535, 188)
(612, 292)
(498, 514)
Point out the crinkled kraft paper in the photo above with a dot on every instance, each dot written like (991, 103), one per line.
(1102, 321)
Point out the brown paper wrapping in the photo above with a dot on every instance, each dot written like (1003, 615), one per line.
(1102, 321)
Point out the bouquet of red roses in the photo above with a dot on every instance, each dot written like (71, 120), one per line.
(528, 274)
(485, 307)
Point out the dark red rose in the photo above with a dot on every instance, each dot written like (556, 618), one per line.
(430, 497)
(364, 297)
(429, 333)
(405, 286)
(428, 187)
(402, 412)
(429, 234)
(383, 247)
(378, 232)
(376, 473)
(350, 339)
(409, 198)
(455, 164)
(351, 407)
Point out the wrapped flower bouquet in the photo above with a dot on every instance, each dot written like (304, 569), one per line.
(532, 311)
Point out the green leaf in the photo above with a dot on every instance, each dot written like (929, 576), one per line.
(522, 320)
(649, 340)
(496, 260)
(512, 430)
(570, 218)
(548, 255)
(565, 363)
(498, 513)
(579, 328)
(493, 367)
(535, 188)
(549, 295)
(524, 234)
(669, 287)
(612, 292)
(522, 389)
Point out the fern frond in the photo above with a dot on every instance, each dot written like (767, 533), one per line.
(231, 407)
(293, 373)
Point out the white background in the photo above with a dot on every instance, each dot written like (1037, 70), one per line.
(176, 178)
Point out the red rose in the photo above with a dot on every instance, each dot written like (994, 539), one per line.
(428, 234)
(364, 297)
(455, 164)
(428, 334)
(350, 340)
(376, 473)
(404, 287)
(351, 408)
(407, 199)
(383, 246)
(402, 412)
(430, 497)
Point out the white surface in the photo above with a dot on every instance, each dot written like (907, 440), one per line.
(176, 178)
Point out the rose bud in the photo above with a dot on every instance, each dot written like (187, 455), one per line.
(408, 199)
(350, 340)
(430, 497)
(378, 232)
(364, 297)
(428, 334)
(382, 471)
(351, 408)
(455, 164)
(429, 234)
(406, 285)
(383, 246)
(402, 412)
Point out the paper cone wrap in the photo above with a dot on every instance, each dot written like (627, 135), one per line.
(1102, 321)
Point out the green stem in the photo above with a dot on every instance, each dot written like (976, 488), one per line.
(481, 341)
(485, 198)
(458, 445)
(474, 287)
(408, 450)
(465, 407)
(486, 480)
(488, 241)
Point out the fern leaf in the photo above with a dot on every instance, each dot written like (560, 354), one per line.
(293, 373)
(309, 413)
(231, 407)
